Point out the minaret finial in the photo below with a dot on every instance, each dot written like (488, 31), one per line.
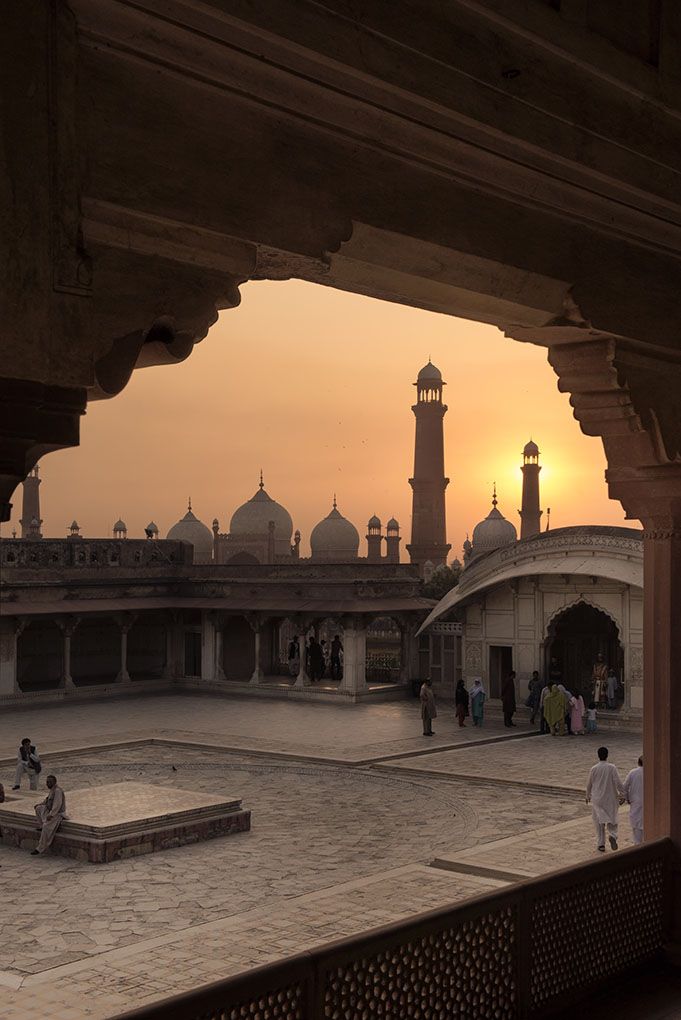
(262, 484)
(189, 504)
(494, 495)
(335, 505)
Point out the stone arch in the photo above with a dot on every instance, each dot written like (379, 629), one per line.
(575, 636)
(40, 656)
(96, 651)
(581, 599)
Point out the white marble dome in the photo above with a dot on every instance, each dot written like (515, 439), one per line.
(254, 516)
(335, 539)
(493, 532)
(191, 529)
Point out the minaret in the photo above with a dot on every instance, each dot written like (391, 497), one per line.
(374, 540)
(530, 515)
(428, 521)
(392, 541)
(30, 508)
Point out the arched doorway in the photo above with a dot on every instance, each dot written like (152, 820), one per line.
(575, 638)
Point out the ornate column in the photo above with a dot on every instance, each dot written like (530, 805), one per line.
(68, 628)
(354, 655)
(123, 675)
(10, 630)
(628, 394)
(218, 671)
(302, 625)
(256, 622)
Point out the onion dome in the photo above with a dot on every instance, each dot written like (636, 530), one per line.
(151, 528)
(531, 449)
(254, 516)
(393, 525)
(493, 532)
(335, 539)
(120, 526)
(190, 529)
(374, 522)
(429, 373)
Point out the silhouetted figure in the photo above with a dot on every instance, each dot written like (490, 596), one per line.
(461, 700)
(428, 709)
(508, 698)
(336, 653)
(316, 659)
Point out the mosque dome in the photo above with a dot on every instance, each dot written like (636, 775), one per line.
(335, 539)
(374, 522)
(120, 525)
(429, 373)
(493, 532)
(191, 529)
(531, 449)
(152, 528)
(254, 516)
(393, 525)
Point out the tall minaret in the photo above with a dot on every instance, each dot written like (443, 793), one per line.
(428, 521)
(31, 521)
(530, 515)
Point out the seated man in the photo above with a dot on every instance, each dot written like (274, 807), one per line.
(50, 814)
(28, 763)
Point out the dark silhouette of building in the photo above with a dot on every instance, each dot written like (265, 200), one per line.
(31, 521)
(530, 513)
(428, 521)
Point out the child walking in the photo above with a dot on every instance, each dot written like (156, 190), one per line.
(591, 724)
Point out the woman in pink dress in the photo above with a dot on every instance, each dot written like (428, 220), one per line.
(577, 712)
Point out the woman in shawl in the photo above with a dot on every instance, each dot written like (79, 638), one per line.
(478, 695)
(428, 710)
(577, 713)
(554, 710)
(461, 702)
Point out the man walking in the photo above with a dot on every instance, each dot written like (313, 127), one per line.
(633, 787)
(50, 813)
(28, 763)
(605, 792)
(508, 698)
(428, 710)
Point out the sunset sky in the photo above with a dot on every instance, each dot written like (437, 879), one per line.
(315, 386)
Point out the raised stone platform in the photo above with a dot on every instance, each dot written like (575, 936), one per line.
(118, 820)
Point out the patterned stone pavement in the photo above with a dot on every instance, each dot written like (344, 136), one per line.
(333, 850)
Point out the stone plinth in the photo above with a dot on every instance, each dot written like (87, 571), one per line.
(118, 820)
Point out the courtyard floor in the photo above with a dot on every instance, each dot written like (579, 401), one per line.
(358, 820)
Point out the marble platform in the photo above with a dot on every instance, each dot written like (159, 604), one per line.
(119, 820)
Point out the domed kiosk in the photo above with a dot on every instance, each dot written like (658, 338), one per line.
(335, 539)
(190, 529)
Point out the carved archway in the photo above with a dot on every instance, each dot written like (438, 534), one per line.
(575, 636)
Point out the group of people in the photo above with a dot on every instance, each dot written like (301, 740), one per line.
(560, 710)
(320, 658)
(605, 791)
(51, 811)
(467, 703)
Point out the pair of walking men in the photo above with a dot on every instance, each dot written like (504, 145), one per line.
(605, 791)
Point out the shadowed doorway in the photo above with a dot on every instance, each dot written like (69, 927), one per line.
(575, 638)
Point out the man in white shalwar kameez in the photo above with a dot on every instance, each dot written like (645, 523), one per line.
(50, 814)
(605, 792)
(633, 787)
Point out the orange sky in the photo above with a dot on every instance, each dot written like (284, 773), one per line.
(315, 386)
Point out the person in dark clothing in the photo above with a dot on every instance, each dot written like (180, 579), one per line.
(508, 698)
(461, 700)
(336, 652)
(316, 659)
(534, 695)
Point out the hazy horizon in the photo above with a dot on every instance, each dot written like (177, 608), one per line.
(315, 386)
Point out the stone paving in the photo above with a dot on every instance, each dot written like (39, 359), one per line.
(334, 849)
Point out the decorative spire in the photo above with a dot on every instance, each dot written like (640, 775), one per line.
(189, 504)
(262, 484)
(494, 496)
(335, 505)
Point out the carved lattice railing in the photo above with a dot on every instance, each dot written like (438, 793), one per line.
(517, 953)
